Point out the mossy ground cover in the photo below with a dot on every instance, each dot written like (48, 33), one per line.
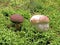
(28, 35)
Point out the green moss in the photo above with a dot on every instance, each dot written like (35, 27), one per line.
(28, 34)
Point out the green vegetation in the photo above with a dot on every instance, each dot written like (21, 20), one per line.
(28, 34)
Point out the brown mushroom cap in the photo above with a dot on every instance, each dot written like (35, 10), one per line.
(16, 18)
(39, 19)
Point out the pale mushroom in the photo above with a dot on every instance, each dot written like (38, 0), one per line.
(41, 22)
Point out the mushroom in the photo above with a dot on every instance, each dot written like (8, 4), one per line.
(41, 22)
(17, 20)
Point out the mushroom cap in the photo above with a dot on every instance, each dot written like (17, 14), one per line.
(16, 18)
(39, 19)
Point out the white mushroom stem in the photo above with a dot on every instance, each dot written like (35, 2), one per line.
(42, 26)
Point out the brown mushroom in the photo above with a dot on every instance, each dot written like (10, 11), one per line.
(40, 21)
(17, 20)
